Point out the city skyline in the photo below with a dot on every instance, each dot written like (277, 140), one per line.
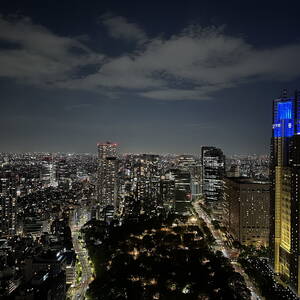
(198, 75)
(149, 150)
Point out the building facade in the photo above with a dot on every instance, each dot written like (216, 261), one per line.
(62, 173)
(182, 191)
(285, 175)
(213, 171)
(8, 203)
(192, 165)
(7, 215)
(249, 210)
(107, 174)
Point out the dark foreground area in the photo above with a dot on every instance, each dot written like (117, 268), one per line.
(159, 258)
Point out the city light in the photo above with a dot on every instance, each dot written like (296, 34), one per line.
(149, 150)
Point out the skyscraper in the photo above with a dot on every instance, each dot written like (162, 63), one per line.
(192, 165)
(48, 172)
(62, 173)
(181, 194)
(107, 174)
(7, 215)
(285, 172)
(8, 200)
(213, 171)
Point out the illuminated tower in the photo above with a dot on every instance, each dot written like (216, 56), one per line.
(285, 172)
(107, 174)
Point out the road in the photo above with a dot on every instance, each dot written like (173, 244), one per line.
(82, 254)
(222, 245)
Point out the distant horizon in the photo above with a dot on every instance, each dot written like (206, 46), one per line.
(129, 153)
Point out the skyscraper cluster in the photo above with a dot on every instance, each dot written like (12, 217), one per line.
(145, 185)
(39, 192)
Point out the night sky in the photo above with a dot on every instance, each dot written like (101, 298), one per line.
(154, 76)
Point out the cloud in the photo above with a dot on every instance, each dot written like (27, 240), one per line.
(119, 28)
(199, 125)
(36, 55)
(190, 65)
(78, 107)
(175, 94)
(193, 65)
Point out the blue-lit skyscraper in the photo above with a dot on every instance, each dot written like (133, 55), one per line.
(283, 124)
(285, 191)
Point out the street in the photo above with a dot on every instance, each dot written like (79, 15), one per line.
(222, 245)
(86, 276)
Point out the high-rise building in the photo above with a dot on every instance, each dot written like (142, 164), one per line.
(107, 174)
(62, 173)
(213, 171)
(8, 200)
(7, 215)
(234, 171)
(48, 172)
(145, 172)
(248, 208)
(285, 197)
(167, 191)
(182, 192)
(192, 165)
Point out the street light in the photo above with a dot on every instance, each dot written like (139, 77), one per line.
(192, 220)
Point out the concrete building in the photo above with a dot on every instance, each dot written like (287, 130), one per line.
(213, 171)
(167, 192)
(107, 174)
(62, 173)
(7, 215)
(48, 172)
(249, 210)
(182, 190)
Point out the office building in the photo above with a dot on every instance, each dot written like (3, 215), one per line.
(182, 190)
(48, 172)
(249, 210)
(167, 192)
(285, 201)
(8, 201)
(107, 174)
(144, 173)
(192, 165)
(62, 173)
(7, 215)
(213, 171)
